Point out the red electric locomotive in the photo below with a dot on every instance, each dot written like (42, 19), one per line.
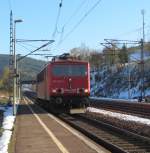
(65, 81)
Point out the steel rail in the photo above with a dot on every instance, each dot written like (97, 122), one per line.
(114, 139)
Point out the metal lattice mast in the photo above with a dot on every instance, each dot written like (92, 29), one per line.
(11, 50)
(11, 44)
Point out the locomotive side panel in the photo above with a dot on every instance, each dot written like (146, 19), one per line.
(42, 82)
(47, 80)
(40, 85)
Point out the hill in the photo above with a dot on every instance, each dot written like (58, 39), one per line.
(28, 67)
(114, 82)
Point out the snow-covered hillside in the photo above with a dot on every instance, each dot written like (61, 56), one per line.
(113, 81)
(135, 56)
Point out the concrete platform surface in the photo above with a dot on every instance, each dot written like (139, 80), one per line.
(36, 131)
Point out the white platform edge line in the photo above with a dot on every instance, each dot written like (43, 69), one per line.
(49, 132)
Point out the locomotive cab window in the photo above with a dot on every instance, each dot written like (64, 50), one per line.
(69, 70)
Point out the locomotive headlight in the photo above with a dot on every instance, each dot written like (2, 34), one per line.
(54, 90)
(86, 90)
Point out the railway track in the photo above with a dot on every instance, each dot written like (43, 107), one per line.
(133, 108)
(114, 139)
(139, 109)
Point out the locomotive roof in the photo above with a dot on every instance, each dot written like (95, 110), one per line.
(66, 58)
(68, 61)
(64, 61)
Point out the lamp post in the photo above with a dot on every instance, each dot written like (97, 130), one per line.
(15, 66)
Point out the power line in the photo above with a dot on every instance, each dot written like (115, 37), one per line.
(26, 41)
(75, 12)
(46, 44)
(42, 54)
(70, 18)
(31, 40)
(81, 20)
(132, 31)
(57, 19)
(28, 45)
(24, 47)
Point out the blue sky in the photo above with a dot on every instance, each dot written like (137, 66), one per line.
(118, 19)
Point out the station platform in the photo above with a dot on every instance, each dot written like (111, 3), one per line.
(37, 131)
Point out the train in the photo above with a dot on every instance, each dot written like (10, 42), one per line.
(65, 82)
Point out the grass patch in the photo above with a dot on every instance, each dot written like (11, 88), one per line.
(1, 120)
(1, 131)
(12, 143)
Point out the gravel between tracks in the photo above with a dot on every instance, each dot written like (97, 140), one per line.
(135, 127)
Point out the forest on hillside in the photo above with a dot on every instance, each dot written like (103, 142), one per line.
(28, 67)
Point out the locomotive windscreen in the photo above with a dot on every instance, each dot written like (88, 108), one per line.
(69, 70)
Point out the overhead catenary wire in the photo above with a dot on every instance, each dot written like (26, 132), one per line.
(23, 46)
(81, 20)
(44, 45)
(29, 49)
(131, 32)
(32, 40)
(70, 19)
(148, 31)
(28, 44)
(24, 43)
(57, 19)
(74, 13)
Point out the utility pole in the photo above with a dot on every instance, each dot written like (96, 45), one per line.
(129, 77)
(143, 13)
(142, 57)
(129, 81)
(142, 70)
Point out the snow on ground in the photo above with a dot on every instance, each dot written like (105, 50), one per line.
(137, 55)
(124, 94)
(120, 116)
(7, 126)
(112, 99)
(4, 141)
(8, 119)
